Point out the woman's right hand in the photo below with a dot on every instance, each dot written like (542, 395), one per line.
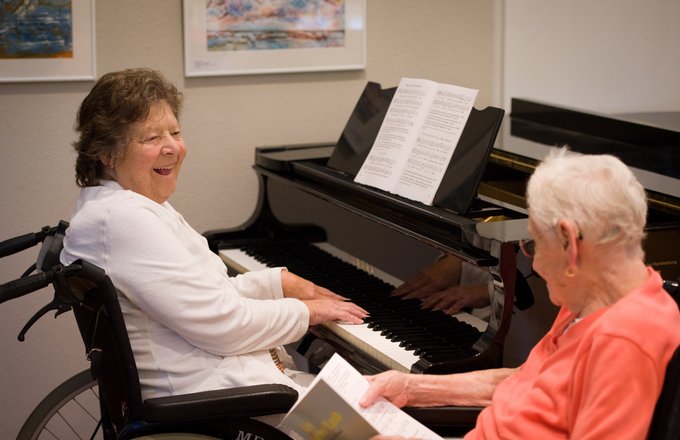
(327, 309)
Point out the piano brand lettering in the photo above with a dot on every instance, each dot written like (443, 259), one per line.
(658, 264)
(247, 436)
(327, 427)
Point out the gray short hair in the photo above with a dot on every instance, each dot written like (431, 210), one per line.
(599, 193)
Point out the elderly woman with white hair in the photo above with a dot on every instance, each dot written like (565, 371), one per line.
(599, 370)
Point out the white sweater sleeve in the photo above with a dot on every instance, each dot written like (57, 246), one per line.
(172, 276)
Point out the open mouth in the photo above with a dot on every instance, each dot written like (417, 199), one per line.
(164, 171)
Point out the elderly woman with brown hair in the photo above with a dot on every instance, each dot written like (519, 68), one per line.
(191, 326)
(598, 372)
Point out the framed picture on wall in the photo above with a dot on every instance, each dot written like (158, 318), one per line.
(47, 40)
(239, 37)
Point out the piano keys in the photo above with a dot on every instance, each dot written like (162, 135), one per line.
(397, 334)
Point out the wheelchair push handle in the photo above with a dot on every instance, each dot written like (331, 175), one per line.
(64, 296)
(23, 286)
(17, 244)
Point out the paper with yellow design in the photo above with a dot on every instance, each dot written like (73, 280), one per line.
(329, 410)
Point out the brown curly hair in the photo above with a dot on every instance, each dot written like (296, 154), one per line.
(117, 100)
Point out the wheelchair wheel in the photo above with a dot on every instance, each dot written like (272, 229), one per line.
(70, 411)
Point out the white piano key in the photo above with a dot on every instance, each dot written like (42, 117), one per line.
(240, 261)
(477, 323)
(375, 345)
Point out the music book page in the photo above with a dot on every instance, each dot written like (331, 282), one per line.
(329, 409)
(417, 138)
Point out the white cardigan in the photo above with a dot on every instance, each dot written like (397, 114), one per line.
(191, 326)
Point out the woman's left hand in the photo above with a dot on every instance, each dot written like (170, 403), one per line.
(300, 288)
(391, 384)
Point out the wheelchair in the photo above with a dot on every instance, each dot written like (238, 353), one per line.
(105, 401)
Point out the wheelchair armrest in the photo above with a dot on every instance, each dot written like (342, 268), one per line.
(247, 401)
(446, 418)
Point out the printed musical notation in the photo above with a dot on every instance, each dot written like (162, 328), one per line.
(417, 138)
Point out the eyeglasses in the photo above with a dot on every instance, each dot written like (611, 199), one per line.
(528, 247)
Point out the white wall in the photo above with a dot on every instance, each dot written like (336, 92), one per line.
(225, 118)
(607, 56)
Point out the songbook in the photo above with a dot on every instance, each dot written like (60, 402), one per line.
(329, 409)
(417, 138)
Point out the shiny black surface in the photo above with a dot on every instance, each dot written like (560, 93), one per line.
(448, 231)
(647, 142)
(638, 144)
(361, 129)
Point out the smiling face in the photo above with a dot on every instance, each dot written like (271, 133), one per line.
(153, 156)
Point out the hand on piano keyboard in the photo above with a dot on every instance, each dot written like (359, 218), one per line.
(325, 310)
(324, 305)
(297, 287)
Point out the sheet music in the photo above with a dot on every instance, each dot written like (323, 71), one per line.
(388, 156)
(417, 138)
(436, 143)
(350, 385)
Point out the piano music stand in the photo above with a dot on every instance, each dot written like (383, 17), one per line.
(460, 183)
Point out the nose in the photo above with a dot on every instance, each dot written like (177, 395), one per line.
(171, 144)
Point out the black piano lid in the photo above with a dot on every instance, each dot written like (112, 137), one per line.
(302, 167)
(648, 143)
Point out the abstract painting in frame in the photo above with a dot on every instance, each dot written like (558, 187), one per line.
(238, 37)
(47, 40)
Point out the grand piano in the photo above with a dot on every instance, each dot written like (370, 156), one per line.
(362, 242)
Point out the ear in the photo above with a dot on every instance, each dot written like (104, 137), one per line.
(568, 235)
(107, 160)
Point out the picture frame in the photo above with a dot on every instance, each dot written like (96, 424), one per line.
(244, 41)
(49, 41)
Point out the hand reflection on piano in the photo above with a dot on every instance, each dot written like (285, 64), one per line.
(447, 285)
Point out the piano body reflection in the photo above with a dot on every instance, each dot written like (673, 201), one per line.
(362, 242)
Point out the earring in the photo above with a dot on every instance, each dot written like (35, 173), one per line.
(569, 272)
